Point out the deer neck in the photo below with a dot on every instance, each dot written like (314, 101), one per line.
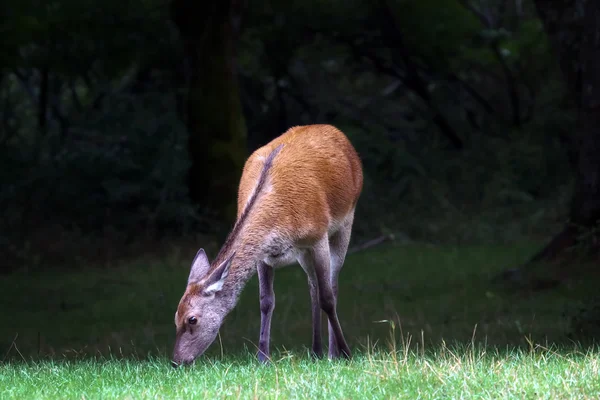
(248, 253)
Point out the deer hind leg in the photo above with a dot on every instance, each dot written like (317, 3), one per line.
(319, 257)
(338, 247)
(306, 261)
(267, 305)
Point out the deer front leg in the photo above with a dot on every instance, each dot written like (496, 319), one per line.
(267, 305)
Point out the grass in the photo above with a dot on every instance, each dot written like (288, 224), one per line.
(458, 373)
(423, 321)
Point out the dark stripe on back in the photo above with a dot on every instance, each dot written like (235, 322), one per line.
(225, 249)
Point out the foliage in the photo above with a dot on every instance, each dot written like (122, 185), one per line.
(456, 108)
(102, 166)
(91, 139)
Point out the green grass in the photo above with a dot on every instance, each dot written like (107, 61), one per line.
(461, 373)
(423, 321)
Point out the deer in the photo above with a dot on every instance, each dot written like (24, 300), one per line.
(296, 203)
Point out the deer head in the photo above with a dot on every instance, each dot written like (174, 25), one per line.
(201, 309)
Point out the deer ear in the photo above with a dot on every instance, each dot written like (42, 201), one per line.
(214, 282)
(200, 267)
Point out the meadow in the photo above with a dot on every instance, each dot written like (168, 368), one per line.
(423, 322)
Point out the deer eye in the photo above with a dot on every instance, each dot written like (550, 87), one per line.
(192, 320)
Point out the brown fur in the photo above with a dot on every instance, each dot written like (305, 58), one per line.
(309, 179)
(310, 191)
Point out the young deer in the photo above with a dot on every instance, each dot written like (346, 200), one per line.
(296, 202)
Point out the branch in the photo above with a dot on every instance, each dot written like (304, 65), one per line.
(298, 98)
(7, 131)
(371, 243)
(486, 20)
(413, 80)
(43, 99)
(473, 93)
(529, 112)
(513, 93)
(74, 96)
(24, 80)
(377, 63)
(360, 53)
(511, 81)
(294, 93)
(56, 109)
(51, 100)
(238, 8)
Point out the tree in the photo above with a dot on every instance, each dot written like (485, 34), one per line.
(575, 36)
(213, 111)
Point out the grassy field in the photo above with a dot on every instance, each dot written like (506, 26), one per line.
(459, 373)
(423, 321)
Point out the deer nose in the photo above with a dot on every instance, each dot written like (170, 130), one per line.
(174, 364)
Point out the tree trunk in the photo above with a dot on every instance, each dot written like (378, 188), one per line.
(213, 110)
(574, 30)
(586, 202)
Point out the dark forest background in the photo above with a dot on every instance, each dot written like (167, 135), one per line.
(124, 125)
